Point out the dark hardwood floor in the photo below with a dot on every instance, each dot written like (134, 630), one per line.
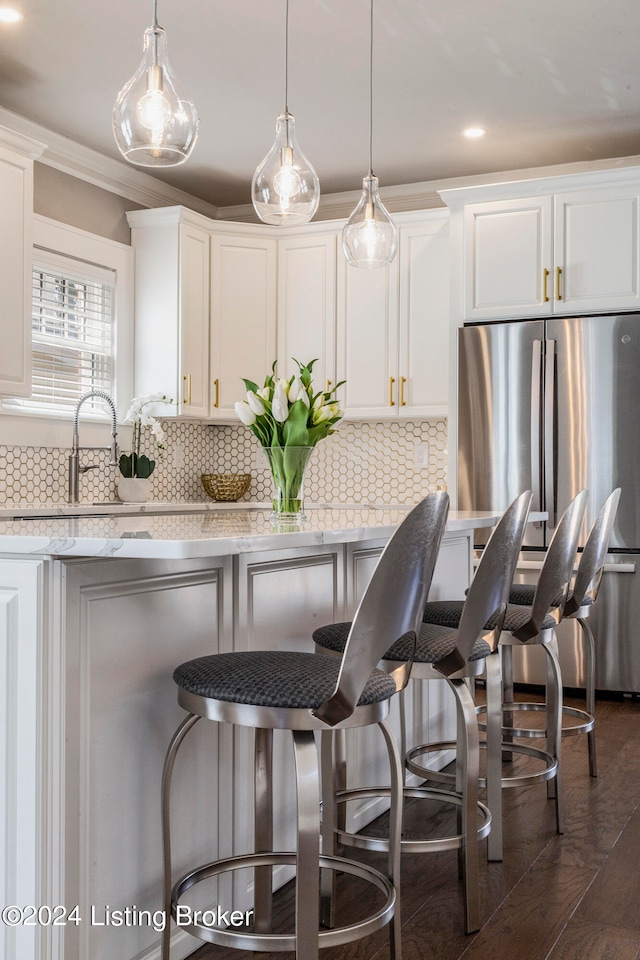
(569, 897)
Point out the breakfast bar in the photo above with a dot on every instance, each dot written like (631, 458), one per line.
(97, 610)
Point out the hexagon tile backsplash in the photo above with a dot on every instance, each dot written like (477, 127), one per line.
(376, 462)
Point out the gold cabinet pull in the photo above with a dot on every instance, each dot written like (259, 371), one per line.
(328, 388)
(558, 275)
(216, 384)
(391, 383)
(187, 393)
(403, 402)
(545, 294)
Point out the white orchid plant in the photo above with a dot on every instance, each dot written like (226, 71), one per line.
(286, 413)
(135, 464)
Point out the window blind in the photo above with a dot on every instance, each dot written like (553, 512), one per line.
(72, 334)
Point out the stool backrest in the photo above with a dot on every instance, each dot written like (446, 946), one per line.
(557, 569)
(488, 594)
(594, 555)
(392, 604)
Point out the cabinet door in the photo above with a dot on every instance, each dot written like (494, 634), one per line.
(368, 340)
(16, 203)
(424, 318)
(194, 322)
(243, 318)
(307, 305)
(597, 250)
(507, 258)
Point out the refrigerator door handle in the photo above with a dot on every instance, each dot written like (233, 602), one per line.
(549, 432)
(536, 473)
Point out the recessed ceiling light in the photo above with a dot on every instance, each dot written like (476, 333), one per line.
(10, 15)
(474, 132)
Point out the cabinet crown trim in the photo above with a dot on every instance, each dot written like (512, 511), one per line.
(515, 189)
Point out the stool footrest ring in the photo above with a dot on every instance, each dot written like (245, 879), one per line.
(270, 942)
(586, 724)
(453, 842)
(515, 780)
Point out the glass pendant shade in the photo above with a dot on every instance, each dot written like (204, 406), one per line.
(369, 237)
(154, 123)
(285, 189)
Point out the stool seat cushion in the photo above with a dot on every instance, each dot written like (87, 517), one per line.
(433, 645)
(523, 593)
(447, 613)
(273, 678)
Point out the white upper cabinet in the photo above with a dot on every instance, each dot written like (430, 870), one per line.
(307, 304)
(574, 251)
(17, 154)
(243, 317)
(393, 326)
(172, 308)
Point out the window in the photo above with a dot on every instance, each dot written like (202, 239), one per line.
(73, 332)
(82, 335)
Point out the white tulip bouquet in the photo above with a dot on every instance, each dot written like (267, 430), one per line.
(287, 412)
(289, 419)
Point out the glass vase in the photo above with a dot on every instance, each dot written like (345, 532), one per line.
(287, 466)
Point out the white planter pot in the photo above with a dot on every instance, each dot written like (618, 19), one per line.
(134, 489)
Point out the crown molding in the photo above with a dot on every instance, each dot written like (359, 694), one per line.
(427, 195)
(102, 171)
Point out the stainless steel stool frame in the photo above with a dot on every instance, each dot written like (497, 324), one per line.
(487, 598)
(578, 607)
(391, 608)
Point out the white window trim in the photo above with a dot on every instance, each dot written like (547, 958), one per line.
(25, 428)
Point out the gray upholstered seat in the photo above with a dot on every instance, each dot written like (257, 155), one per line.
(434, 643)
(273, 678)
(447, 613)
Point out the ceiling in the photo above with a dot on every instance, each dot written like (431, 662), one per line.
(552, 81)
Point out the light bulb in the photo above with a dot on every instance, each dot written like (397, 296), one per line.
(285, 187)
(153, 124)
(369, 237)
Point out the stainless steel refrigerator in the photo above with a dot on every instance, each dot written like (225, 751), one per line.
(554, 406)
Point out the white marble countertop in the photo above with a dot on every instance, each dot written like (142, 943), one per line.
(216, 530)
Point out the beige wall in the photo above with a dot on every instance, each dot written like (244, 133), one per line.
(68, 200)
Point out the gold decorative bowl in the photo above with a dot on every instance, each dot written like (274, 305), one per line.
(226, 486)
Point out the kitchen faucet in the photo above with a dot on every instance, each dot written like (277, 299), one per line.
(74, 458)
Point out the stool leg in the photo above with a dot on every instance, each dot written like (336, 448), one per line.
(402, 706)
(469, 757)
(590, 680)
(507, 687)
(494, 753)
(167, 772)
(396, 769)
(263, 828)
(329, 780)
(308, 845)
(554, 723)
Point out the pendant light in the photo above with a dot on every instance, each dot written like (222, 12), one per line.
(285, 188)
(369, 237)
(154, 124)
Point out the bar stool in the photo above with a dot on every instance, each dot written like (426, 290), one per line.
(300, 692)
(578, 607)
(454, 655)
(531, 625)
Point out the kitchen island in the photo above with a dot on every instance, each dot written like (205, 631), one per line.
(96, 613)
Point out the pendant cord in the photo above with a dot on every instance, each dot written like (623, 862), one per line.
(370, 92)
(286, 58)
(155, 13)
